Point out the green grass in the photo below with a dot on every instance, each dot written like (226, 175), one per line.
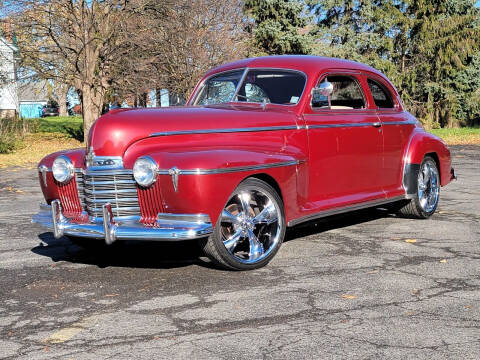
(56, 123)
(458, 136)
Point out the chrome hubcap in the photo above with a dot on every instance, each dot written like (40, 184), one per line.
(428, 186)
(251, 225)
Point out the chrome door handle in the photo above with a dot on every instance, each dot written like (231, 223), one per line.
(377, 124)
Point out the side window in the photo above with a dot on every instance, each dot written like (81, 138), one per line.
(382, 97)
(347, 94)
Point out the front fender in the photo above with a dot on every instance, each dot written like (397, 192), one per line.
(201, 180)
(423, 143)
(50, 188)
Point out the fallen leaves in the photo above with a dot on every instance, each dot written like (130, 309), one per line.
(36, 147)
(12, 190)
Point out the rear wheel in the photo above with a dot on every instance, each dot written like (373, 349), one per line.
(425, 200)
(250, 229)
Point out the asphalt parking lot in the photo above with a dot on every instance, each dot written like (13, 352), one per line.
(365, 285)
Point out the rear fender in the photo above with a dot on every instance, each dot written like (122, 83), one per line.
(421, 144)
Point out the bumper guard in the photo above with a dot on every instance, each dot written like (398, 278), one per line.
(168, 227)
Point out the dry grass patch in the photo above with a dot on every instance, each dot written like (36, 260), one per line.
(459, 136)
(36, 146)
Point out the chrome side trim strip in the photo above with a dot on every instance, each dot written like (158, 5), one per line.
(323, 126)
(232, 169)
(335, 211)
(223, 131)
(408, 122)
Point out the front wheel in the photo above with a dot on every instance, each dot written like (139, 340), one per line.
(250, 229)
(425, 200)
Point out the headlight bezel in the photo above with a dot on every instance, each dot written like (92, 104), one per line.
(68, 167)
(152, 166)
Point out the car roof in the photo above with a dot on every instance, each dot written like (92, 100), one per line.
(309, 64)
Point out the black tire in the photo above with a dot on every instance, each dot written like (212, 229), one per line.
(236, 258)
(416, 208)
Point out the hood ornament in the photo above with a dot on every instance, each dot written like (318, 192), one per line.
(174, 172)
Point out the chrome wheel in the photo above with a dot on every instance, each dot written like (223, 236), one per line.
(428, 186)
(251, 225)
(424, 202)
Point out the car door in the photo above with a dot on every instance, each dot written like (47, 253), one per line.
(345, 144)
(397, 127)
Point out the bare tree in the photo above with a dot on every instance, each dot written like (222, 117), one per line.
(78, 42)
(119, 48)
(176, 42)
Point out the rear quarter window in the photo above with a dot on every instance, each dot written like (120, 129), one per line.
(381, 95)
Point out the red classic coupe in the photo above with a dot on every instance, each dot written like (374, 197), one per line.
(262, 144)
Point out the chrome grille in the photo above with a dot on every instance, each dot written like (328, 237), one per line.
(117, 187)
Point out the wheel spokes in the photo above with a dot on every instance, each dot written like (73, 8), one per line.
(268, 215)
(256, 247)
(232, 241)
(245, 202)
(426, 174)
(229, 217)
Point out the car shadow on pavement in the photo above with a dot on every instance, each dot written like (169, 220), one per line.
(136, 254)
(336, 222)
(167, 255)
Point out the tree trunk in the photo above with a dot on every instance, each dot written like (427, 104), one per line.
(92, 103)
(158, 96)
(437, 113)
(62, 92)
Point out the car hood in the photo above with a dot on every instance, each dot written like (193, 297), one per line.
(114, 132)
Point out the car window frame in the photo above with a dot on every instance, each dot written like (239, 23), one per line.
(197, 92)
(384, 87)
(356, 76)
(394, 94)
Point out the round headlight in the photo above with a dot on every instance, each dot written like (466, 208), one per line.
(62, 169)
(145, 171)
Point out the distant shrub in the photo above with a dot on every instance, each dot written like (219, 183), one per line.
(74, 131)
(12, 133)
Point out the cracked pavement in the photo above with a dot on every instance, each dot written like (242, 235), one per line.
(364, 285)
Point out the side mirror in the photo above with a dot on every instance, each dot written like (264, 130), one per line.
(321, 95)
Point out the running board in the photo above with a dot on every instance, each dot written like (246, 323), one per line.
(341, 210)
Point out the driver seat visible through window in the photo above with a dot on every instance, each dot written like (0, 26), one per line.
(347, 94)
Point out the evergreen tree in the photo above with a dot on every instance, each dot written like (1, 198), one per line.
(278, 26)
(429, 48)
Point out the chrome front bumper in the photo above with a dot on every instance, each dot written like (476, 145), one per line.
(168, 227)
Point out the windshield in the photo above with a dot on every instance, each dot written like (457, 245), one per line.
(219, 88)
(283, 87)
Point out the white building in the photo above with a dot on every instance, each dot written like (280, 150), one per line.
(8, 83)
